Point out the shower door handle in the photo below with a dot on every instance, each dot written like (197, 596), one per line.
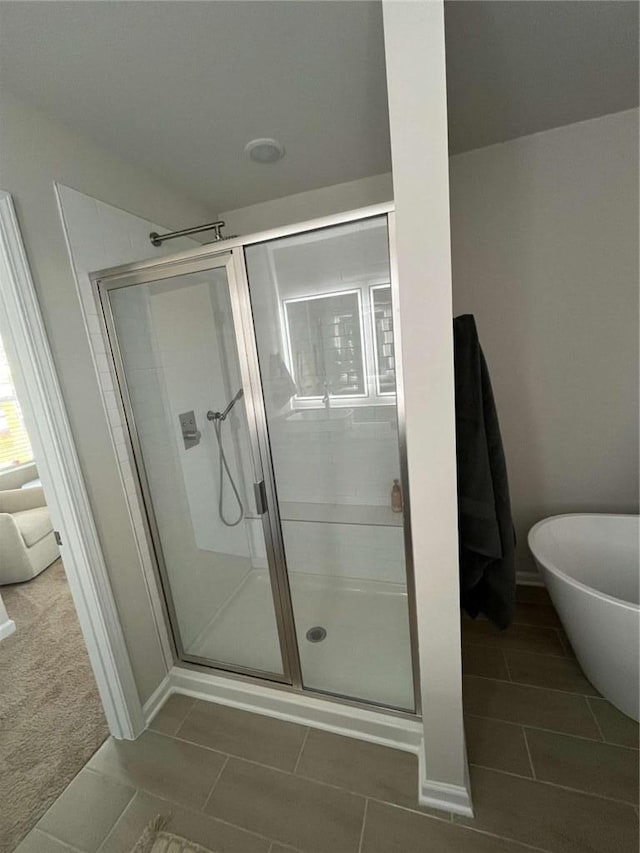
(260, 493)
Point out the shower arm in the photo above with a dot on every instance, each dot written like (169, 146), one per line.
(159, 239)
(221, 416)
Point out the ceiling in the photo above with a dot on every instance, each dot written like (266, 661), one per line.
(180, 87)
(515, 67)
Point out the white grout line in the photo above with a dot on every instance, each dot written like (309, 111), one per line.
(445, 814)
(564, 642)
(534, 686)
(552, 785)
(187, 714)
(241, 828)
(179, 723)
(446, 817)
(526, 743)
(510, 838)
(364, 820)
(119, 818)
(304, 743)
(503, 647)
(189, 809)
(550, 731)
(595, 719)
(506, 663)
(53, 838)
(459, 822)
(433, 814)
(416, 810)
(215, 784)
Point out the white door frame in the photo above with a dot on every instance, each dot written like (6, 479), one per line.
(34, 373)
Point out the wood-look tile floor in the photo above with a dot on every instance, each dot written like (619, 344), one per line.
(554, 768)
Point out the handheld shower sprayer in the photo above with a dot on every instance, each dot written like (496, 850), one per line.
(218, 418)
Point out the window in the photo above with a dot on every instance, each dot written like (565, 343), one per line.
(342, 344)
(15, 447)
(325, 345)
(382, 315)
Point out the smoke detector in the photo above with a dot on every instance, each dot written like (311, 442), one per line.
(264, 150)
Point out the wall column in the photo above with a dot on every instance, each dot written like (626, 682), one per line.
(416, 80)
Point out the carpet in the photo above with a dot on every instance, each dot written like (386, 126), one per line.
(51, 717)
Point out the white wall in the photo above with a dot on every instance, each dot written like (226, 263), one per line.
(545, 254)
(308, 205)
(154, 337)
(100, 235)
(187, 333)
(415, 51)
(36, 151)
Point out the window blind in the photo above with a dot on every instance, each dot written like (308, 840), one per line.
(15, 447)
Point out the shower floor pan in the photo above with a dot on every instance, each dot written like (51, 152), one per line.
(366, 651)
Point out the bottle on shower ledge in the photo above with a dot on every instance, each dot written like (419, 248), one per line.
(396, 497)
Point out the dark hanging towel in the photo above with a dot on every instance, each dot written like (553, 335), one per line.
(485, 527)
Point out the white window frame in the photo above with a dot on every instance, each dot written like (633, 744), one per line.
(312, 401)
(372, 395)
(374, 332)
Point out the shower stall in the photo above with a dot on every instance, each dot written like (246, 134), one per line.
(261, 382)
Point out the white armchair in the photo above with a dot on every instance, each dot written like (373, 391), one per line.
(27, 541)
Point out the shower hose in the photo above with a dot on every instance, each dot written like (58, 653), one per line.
(224, 466)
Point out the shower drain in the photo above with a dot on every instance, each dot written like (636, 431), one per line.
(316, 634)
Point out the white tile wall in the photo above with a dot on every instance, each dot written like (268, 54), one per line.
(100, 236)
(361, 551)
(313, 463)
(355, 467)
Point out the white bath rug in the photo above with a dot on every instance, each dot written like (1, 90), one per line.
(155, 839)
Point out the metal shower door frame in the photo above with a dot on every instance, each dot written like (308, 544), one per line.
(240, 244)
(134, 275)
(231, 254)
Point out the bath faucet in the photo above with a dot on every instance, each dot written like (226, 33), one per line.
(326, 400)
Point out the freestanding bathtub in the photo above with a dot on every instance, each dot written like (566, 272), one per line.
(591, 567)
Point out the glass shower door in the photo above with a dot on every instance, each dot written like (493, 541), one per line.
(324, 326)
(188, 404)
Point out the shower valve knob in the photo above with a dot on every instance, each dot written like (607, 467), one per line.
(191, 435)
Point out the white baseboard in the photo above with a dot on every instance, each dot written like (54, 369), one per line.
(443, 795)
(451, 798)
(156, 700)
(349, 720)
(7, 628)
(377, 727)
(529, 579)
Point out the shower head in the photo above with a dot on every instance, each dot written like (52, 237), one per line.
(238, 396)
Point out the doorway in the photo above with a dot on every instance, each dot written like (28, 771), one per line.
(51, 715)
(261, 386)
